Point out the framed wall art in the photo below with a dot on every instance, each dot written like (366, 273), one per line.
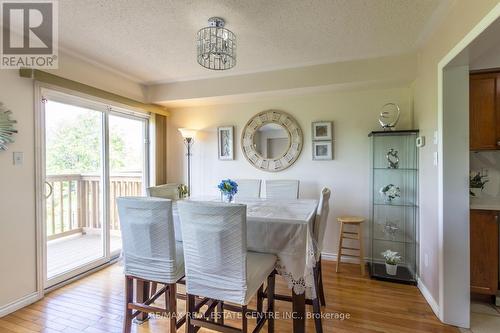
(322, 150)
(322, 130)
(225, 141)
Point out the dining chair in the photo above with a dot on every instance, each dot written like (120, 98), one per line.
(150, 254)
(248, 188)
(282, 189)
(166, 191)
(219, 267)
(319, 235)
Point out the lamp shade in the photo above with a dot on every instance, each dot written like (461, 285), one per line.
(187, 133)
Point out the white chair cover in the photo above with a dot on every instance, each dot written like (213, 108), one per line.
(321, 218)
(218, 265)
(248, 188)
(166, 191)
(282, 189)
(149, 249)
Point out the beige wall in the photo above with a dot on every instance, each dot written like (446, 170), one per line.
(17, 194)
(354, 115)
(461, 18)
(17, 189)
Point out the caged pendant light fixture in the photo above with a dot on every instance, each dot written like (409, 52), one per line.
(216, 46)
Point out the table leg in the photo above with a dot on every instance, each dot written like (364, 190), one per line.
(142, 295)
(299, 310)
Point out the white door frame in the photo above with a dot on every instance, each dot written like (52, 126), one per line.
(448, 268)
(100, 105)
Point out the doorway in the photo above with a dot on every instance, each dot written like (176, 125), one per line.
(453, 165)
(92, 154)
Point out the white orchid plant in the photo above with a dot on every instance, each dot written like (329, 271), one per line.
(391, 257)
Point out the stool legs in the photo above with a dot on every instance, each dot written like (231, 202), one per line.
(361, 250)
(353, 236)
(339, 252)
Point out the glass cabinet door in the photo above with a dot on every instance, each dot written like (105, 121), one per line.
(394, 197)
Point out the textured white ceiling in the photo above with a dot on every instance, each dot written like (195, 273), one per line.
(154, 40)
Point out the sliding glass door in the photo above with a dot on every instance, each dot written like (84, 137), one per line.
(93, 154)
(127, 167)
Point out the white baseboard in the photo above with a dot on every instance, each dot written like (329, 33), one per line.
(18, 304)
(428, 297)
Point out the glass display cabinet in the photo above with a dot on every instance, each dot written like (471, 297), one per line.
(394, 206)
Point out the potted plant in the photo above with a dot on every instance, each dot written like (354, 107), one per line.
(392, 260)
(476, 184)
(228, 189)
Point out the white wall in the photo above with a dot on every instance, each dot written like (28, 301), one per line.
(454, 164)
(354, 115)
(17, 189)
(17, 194)
(491, 59)
(459, 21)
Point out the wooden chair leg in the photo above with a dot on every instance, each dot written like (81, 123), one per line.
(129, 298)
(154, 286)
(361, 249)
(317, 315)
(220, 313)
(270, 302)
(171, 300)
(320, 284)
(244, 320)
(339, 252)
(260, 299)
(190, 304)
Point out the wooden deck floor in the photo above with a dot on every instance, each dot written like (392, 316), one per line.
(69, 252)
(95, 305)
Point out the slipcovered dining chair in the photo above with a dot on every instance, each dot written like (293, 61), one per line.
(166, 191)
(219, 267)
(282, 189)
(150, 254)
(319, 235)
(248, 188)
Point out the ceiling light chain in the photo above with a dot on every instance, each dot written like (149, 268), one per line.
(216, 46)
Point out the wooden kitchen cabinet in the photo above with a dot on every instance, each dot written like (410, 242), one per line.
(484, 111)
(484, 251)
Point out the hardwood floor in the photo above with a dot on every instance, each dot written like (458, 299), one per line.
(95, 305)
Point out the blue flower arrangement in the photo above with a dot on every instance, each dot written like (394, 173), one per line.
(228, 188)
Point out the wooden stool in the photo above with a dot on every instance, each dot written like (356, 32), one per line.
(351, 220)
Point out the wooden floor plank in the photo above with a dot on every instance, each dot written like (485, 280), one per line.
(95, 304)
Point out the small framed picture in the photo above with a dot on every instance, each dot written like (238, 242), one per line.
(322, 150)
(225, 142)
(322, 130)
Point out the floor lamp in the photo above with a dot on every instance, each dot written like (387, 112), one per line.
(188, 135)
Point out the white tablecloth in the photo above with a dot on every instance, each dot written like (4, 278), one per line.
(284, 228)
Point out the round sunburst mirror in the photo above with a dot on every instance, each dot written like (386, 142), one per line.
(272, 140)
(6, 127)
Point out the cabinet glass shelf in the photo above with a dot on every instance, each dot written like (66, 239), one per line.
(393, 225)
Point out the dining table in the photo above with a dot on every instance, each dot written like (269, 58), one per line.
(282, 227)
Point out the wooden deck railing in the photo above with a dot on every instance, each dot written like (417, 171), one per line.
(74, 201)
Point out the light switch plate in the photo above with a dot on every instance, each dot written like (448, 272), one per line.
(18, 158)
(420, 141)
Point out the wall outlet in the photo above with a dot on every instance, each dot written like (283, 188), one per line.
(436, 137)
(426, 260)
(17, 158)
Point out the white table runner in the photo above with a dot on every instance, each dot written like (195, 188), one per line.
(284, 228)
